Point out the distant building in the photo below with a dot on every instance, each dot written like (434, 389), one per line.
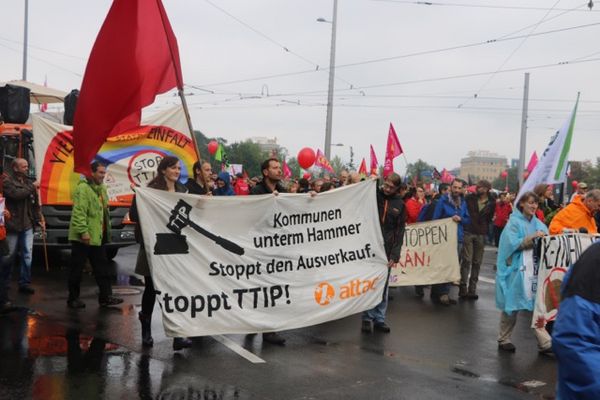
(266, 144)
(482, 164)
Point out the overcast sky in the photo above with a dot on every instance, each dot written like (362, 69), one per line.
(226, 44)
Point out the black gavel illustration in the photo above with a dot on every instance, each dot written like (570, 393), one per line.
(175, 243)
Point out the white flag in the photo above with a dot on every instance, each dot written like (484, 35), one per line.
(552, 166)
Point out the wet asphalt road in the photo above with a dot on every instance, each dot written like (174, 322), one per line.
(433, 352)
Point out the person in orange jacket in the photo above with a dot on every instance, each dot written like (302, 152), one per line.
(578, 215)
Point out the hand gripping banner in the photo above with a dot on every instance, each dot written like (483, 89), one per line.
(262, 263)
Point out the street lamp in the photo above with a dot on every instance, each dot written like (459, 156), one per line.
(329, 119)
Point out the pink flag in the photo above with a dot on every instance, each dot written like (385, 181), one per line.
(322, 162)
(532, 162)
(287, 173)
(362, 170)
(447, 177)
(44, 106)
(392, 151)
(374, 163)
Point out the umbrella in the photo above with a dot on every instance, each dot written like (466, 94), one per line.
(39, 94)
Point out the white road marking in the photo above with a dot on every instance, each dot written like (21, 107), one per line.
(487, 280)
(236, 348)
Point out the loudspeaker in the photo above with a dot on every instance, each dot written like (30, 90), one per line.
(70, 105)
(14, 104)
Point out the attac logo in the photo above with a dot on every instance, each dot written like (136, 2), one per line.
(324, 293)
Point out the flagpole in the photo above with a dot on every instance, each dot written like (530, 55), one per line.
(179, 79)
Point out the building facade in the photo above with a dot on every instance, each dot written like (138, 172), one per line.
(482, 164)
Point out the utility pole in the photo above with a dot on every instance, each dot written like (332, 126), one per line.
(329, 120)
(25, 40)
(521, 166)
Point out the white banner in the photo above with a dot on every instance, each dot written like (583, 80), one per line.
(557, 254)
(429, 254)
(262, 263)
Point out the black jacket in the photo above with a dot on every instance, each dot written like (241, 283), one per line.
(392, 217)
(480, 220)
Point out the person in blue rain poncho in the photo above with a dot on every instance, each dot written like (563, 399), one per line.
(511, 297)
(576, 334)
(223, 185)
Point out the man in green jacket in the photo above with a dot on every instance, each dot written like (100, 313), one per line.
(89, 230)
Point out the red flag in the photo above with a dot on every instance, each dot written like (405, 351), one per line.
(362, 170)
(287, 173)
(135, 57)
(322, 162)
(447, 177)
(392, 151)
(532, 162)
(374, 163)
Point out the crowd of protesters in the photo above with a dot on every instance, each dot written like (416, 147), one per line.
(483, 216)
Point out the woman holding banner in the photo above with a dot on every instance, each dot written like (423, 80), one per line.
(511, 294)
(166, 178)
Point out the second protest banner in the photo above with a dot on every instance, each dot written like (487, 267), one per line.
(429, 254)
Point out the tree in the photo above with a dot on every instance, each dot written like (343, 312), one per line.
(337, 164)
(294, 167)
(247, 153)
(513, 181)
(419, 171)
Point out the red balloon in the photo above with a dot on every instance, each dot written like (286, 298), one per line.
(213, 145)
(504, 174)
(574, 184)
(306, 157)
(307, 176)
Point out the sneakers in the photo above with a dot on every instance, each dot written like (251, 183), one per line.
(273, 338)
(366, 327)
(180, 343)
(75, 304)
(110, 301)
(508, 347)
(445, 300)
(382, 327)
(26, 290)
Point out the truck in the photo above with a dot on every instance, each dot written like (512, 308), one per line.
(16, 141)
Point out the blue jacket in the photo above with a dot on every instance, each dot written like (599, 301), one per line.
(226, 190)
(445, 208)
(510, 277)
(576, 333)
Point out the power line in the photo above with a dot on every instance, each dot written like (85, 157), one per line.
(408, 55)
(43, 49)
(42, 60)
(489, 79)
(467, 5)
(264, 36)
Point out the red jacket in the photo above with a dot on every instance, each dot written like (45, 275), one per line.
(502, 213)
(413, 208)
(241, 187)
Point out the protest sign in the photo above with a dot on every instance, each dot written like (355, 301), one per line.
(262, 263)
(556, 255)
(428, 254)
(131, 157)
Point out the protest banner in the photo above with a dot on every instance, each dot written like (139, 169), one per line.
(428, 254)
(556, 255)
(262, 263)
(131, 157)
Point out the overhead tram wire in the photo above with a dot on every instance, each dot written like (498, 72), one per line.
(43, 61)
(391, 58)
(285, 48)
(507, 59)
(467, 5)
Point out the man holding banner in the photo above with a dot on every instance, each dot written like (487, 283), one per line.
(392, 216)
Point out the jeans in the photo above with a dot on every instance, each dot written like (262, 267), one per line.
(377, 313)
(19, 242)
